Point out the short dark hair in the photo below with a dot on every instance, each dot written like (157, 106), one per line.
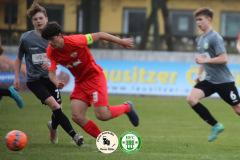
(206, 11)
(51, 29)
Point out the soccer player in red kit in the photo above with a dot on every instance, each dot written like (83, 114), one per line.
(90, 83)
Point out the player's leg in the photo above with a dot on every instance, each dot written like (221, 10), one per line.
(63, 120)
(66, 125)
(201, 90)
(16, 97)
(237, 108)
(105, 113)
(11, 92)
(229, 93)
(54, 91)
(40, 89)
(5, 92)
(102, 111)
(79, 109)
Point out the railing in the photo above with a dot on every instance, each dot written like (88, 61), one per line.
(180, 43)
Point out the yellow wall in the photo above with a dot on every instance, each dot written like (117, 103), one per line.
(70, 15)
(111, 12)
(21, 23)
(216, 5)
(70, 12)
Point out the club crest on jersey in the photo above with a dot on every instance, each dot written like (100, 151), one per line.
(73, 64)
(205, 45)
(73, 55)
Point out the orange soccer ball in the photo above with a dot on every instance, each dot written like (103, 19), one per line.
(16, 140)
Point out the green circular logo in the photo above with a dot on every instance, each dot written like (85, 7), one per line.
(130, 142)
(205, 45)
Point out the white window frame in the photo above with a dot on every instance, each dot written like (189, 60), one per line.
(126, 12)
(183, 12)
(224, 23)
(80, 21)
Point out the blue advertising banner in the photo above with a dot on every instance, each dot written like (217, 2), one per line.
(151, 78)
(141, 77)
(148, 78)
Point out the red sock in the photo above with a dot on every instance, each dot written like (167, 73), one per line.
(118, 110)
(92, 129)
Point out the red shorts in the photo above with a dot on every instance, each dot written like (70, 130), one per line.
(92, 91)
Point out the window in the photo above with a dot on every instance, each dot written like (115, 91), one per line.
(10, 12)
(230, 23)
(182, 23)
(134, 20)
(80, 21)
(55, 13)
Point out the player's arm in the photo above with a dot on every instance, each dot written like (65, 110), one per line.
(199, 75)
(220, 59)
(17, 68)
(53, 77)
(125, 42)
(52, 67)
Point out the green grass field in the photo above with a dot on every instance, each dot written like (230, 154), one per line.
(169, 129)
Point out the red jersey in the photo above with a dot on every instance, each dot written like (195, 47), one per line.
(75, 56)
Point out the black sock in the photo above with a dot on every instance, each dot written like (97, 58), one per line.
(204, 114)
(64, 122)
(5, 92)
(55, 123)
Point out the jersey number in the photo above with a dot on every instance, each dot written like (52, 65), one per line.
(232, 95)
(57, 90)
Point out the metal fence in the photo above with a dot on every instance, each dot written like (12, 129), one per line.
(180, 43)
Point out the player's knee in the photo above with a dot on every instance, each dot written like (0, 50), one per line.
(102, 116)
(237, 109)
(55, 106)
(237, 112)
(76, 118)
(191, 101)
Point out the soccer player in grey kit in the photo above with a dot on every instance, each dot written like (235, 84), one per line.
(33, 46)
(212, 59)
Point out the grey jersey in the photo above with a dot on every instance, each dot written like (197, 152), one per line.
(210, 46)
(34, 49)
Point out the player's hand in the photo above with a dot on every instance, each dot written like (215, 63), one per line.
(127, 43)
(197, 80)
(200, 60)
(61, 84)
(45, 65)
(16, 84)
